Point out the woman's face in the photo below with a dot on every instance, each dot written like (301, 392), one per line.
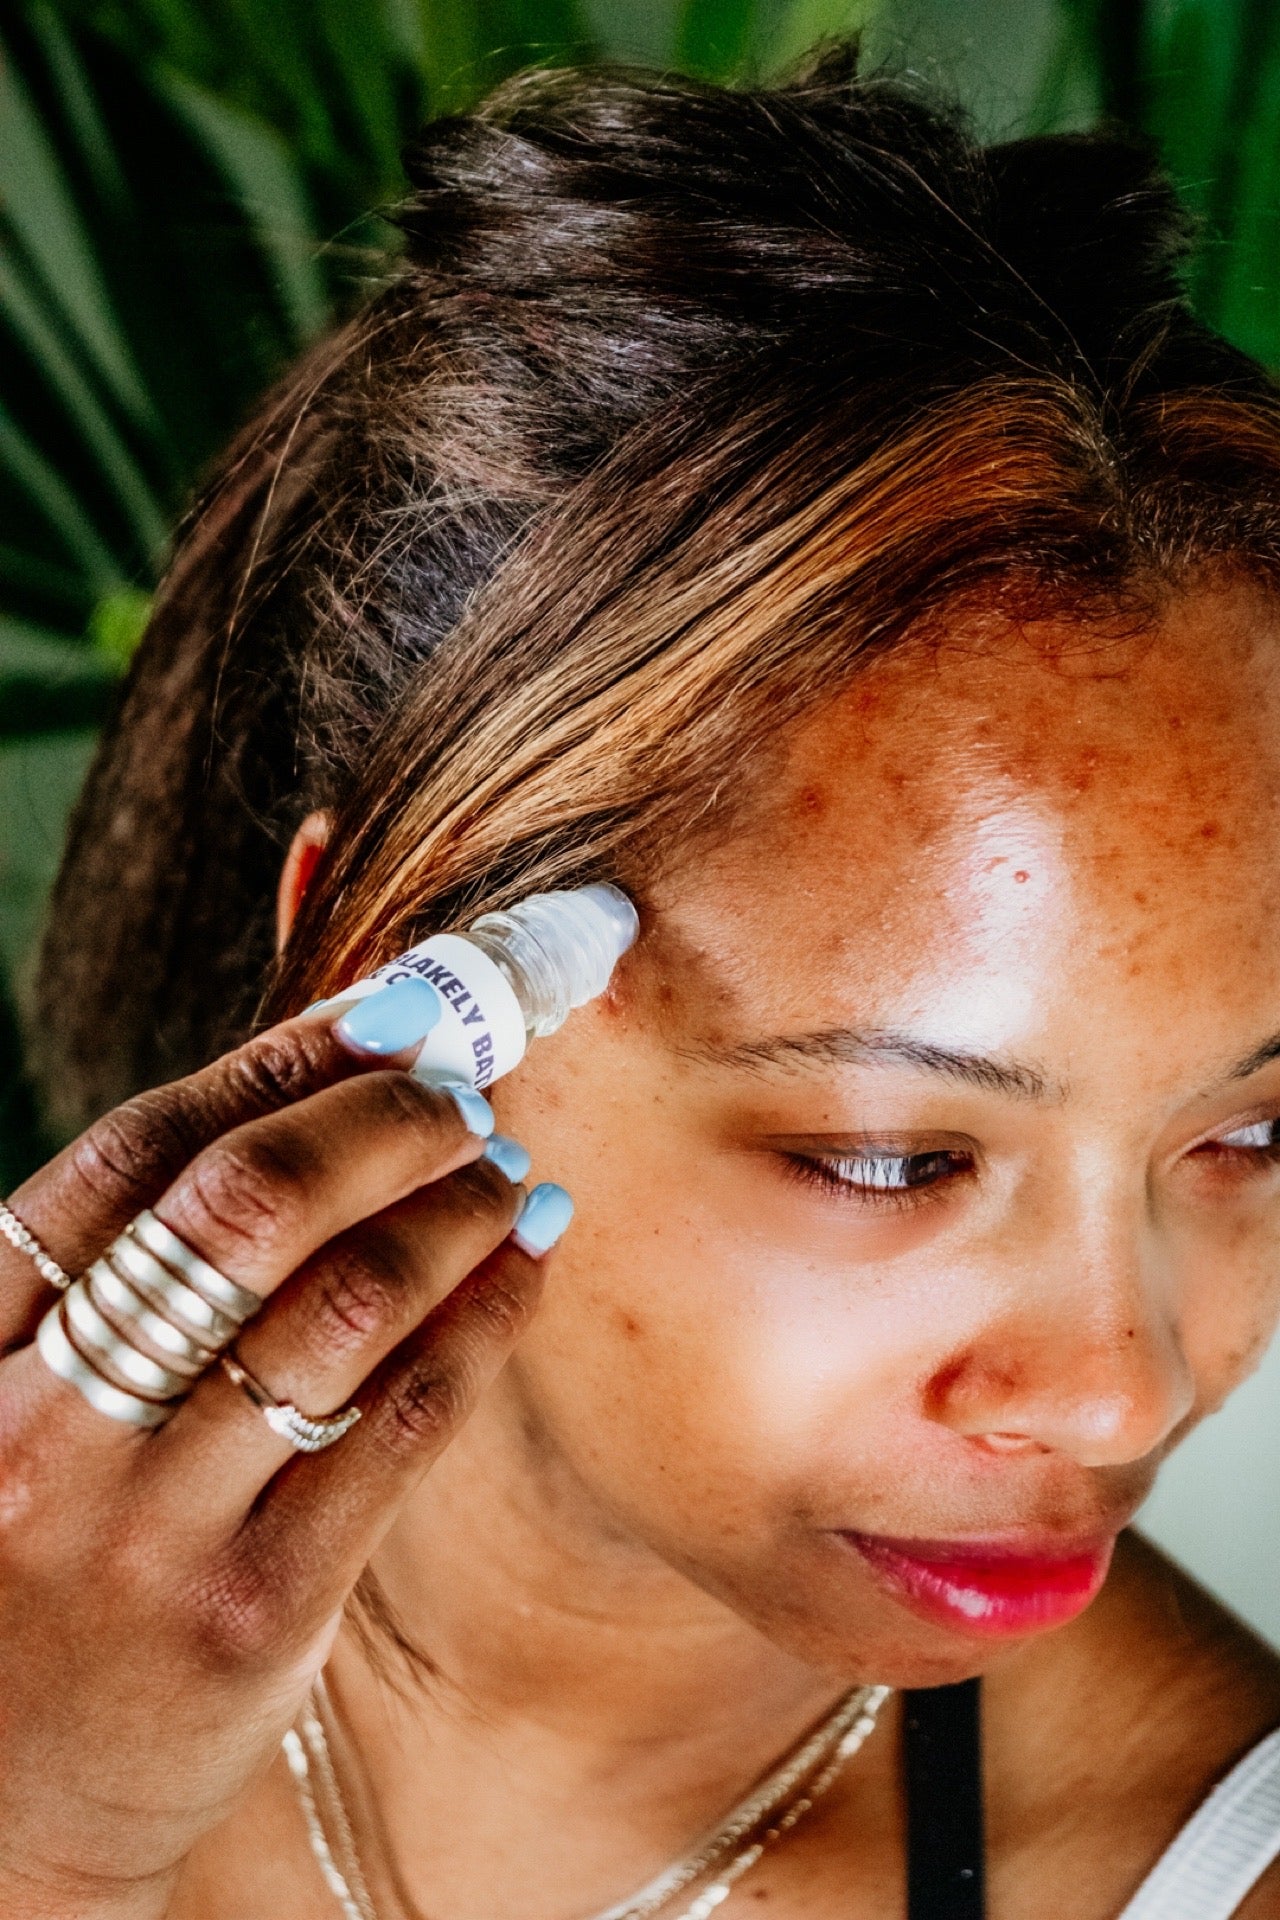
(923, 1151)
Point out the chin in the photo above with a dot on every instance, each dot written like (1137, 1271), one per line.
(919, 1614)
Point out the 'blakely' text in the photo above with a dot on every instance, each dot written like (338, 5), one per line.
(460, 997)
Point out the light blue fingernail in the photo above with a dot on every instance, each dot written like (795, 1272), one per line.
(477, 1114)
(508, 1156)
(547, 1212)
(395, 1017)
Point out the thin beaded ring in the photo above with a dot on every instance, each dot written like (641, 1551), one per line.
(24, 1241)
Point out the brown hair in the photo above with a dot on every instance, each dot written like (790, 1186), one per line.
(683, 401)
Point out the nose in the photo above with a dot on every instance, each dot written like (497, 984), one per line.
(1084, 1357)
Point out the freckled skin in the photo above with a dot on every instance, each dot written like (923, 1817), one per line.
(1017, 850)
(1056, 845)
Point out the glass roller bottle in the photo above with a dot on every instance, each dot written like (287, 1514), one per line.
(510, 977)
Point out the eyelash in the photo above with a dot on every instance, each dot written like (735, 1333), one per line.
(880, 1179)
(1268, 1150)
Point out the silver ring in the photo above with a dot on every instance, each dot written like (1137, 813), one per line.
(137, 1330)
(123, 1364)
(304, 1434)
(117, 1301)
(24, 1241)
(64, 1359)
(235, 1301)
(185, 1309)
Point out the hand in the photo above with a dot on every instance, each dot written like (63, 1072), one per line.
(166, 1597)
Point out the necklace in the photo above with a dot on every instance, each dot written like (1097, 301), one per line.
(770, 1810)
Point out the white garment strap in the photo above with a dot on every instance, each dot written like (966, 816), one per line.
(1224, 1849)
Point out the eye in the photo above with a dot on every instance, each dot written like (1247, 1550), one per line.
(1259, 1137)
(882, 1176)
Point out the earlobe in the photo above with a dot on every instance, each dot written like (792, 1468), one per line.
(306, 851)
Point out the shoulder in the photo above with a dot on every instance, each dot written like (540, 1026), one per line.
(1105, 1738)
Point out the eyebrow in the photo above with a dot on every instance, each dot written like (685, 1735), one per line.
(1260, 1057)
(863, 1046)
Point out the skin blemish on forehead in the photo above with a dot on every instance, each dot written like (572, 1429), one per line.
(811, 800)
(674, 979)
(932, 850)
(1087, 768)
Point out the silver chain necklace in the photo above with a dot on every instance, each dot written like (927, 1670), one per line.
(770, 1810)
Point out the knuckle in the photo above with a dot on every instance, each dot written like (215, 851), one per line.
(421, 1108)
(116, 1552)
(503, 1310)
(245, 1190)
(425, 1408)
(277, 1069)
(22, 1497)
(237, 1617)
(126, 1152)
(137, 1556)
(483, 1197)
(31, 1471)
(355, 1293)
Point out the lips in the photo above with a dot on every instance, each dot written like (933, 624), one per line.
(987, 1588)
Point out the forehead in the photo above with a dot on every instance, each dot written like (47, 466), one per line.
(1005, 796)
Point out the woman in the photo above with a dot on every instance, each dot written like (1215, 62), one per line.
(843, 538)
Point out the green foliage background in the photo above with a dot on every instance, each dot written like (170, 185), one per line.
(185, 195)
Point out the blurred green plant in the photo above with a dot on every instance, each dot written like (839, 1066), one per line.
(185, 196)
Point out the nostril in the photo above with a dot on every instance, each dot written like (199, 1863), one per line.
(1010, 1443)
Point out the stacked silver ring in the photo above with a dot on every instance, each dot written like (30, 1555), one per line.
(135, 1332)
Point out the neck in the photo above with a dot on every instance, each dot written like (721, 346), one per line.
(589, 1709)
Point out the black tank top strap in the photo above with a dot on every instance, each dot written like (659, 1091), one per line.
(942, 1765)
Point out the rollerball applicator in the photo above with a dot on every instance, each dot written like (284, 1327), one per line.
(511, 977)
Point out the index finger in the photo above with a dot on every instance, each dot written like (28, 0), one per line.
(88, 1194)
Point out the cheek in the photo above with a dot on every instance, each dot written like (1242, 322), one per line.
(1231, 1309)
(707, 1380)
(713, 1356)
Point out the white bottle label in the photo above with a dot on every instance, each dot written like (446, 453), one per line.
(480, 1034)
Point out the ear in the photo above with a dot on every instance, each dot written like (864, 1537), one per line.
(303, 858)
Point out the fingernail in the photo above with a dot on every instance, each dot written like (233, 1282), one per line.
(477, 1114)
(508, 1156)
(395, 1017)
(547, 1212)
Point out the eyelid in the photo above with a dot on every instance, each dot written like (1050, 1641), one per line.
(852, 1143)
(1266, 1113)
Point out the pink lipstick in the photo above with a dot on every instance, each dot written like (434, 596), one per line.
(987, 1588)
